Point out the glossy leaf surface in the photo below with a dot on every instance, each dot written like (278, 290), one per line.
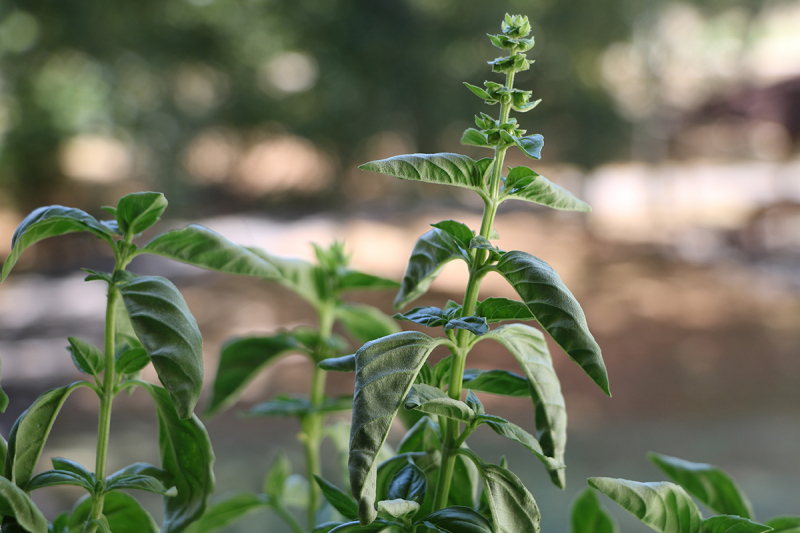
(169, 333)
(665, 507)
(409, 484)
(589, 516)
(500, 382)
(14, 502)
(458, 519)
(444, 169)
(523, 183)
(385, 370)
(707, 483)
(123, 512)
(732, 524)
(556, 309)
(138, 211)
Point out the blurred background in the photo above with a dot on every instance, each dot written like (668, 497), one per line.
(677, 121)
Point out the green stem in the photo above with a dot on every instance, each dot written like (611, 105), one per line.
(288, 518)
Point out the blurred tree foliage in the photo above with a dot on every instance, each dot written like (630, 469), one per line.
(153, 73)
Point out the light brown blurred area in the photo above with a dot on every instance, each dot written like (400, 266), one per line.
(688, 268)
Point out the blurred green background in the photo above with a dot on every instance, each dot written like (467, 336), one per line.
(678, 121)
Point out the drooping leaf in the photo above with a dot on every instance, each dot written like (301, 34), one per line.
(14, 502)
(49, 478)
(512, 507)
(517, 434)
(732, 524)
(227, 511)
(240, 362)
(199, 246)
(431, 253)
(589, 516)
(556, 309)
(365, 322)
(707, 483)
(784, 524)
(169, 333)
(425, 316)
(345, 363)
(187, 455)
(345, 504)
(434, 401)
(409, 484)
(523, 183)
(459, 231)
(530, 145)
(138, 211)
(474, 324)
(29, 434)
(444, 169)
(500, 382)
(457, 519)
(87, 357)
(385, 370)
(665, 507)
(123, 513)
(47, 222)
(529, 348)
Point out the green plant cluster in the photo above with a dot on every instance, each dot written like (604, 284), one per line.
(433, 482)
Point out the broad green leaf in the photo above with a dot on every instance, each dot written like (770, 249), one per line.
(530, 145)
(87, 357)
(14, 502)
(424, 436)
(499, 309)
(282, 406)
(512, 507)
(523, 183)
(226, 512)
(732, 524)
(49, 478)
(473, 137)
(784, 524)
(434, 401)
(240, 362)
(444, 169)
(529, 348)
(345, 504)
(60, 463)
(390, 467)
(408, 484)
(29, 433)
(665, 507)
(345, 363)
(187, 455)
(356, 527)
(385, 370)
(500, 382)
(458, 519)
(556, 309)
(123, 512)
(465, 484)
(276, 478)
(352, 280)
(169, 333)
(589, 516)
(707, 483)
(201, 247)
(458, 231)
(431, 253)
(138, 211)
(517, 434)
(364, 322)
(61, 523)
(131, 361)
(47, 222)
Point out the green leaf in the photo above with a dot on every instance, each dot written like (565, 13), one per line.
(425, 316)
(409, 484)
(732, 524)
(512, 507)
(474, 324)
(784, 524)
(444, 169)
(296, 275)
(458, 519)
(123, 513)
(87, 357)
(282, 406)
(356, 527)
(201, 247)
(529, 348)
(707, 483)
(480, 93)
(465, 484)
(431, 253)
(385, 370)
(364, 322)
(240, 362)
(500, 382)
(663, 506)
(138, 211)
(523, 183)
(226, 512)
(49, 478)
(460, 232)
(474, 403)
(169, 333)
(131, 361)
(276, 477)
(187, 455)
(434, 401)
(141, 476)
(473, 137)
(68, 465)
(345, 363)
(589, 516)
(517, 434)
(499, 309)
(15, 503)
(47, 222)
(424, 436)
(530, 145)
(556, 309)
(29, 433)
(352, 280)
(345, 504)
